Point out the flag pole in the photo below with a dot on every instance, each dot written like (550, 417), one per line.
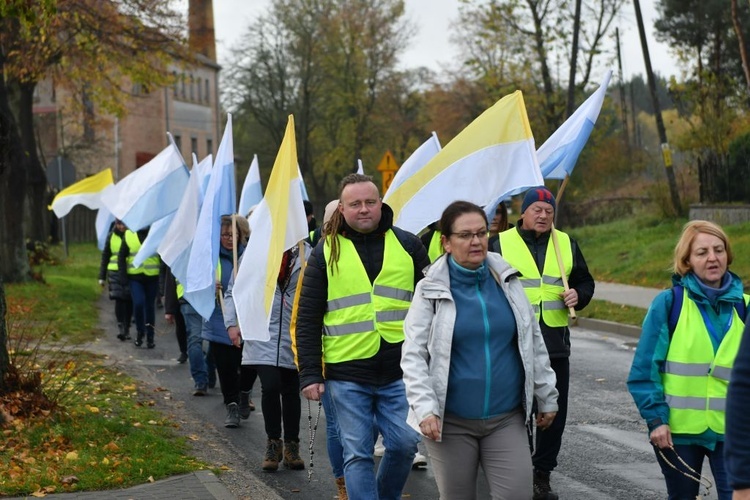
(556, 244)
(234, 245)
(560, 191)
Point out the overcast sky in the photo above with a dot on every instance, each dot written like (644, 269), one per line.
(431, 46)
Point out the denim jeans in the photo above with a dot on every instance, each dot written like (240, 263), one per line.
(144, 306)
(678, 485)
(333, 443)
(193, 325)
(355, 406)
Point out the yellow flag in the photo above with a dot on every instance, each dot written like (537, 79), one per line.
(85, 192)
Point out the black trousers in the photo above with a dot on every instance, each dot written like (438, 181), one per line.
(248, 375)
(280, 401)
(180, 331)
(124, 312)
(228, 359)
(548, 442)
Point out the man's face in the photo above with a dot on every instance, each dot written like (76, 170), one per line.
(361, 206)
(538, 217)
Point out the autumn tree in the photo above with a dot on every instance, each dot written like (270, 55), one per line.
(96, 50)
(327, 62)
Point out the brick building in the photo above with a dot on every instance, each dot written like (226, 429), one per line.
(189, 109)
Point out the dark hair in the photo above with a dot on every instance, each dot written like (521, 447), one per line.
(454, 211)
(332, 227)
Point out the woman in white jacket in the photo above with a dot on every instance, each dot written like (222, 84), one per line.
(474, 360)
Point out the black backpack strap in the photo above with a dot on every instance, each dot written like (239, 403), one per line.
(741, 308)
(678, 296)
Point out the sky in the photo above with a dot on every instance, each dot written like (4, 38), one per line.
(431, 46)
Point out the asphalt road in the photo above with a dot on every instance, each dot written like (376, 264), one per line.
(605, 453)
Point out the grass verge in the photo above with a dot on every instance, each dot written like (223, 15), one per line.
(104, 433)
(609, 311)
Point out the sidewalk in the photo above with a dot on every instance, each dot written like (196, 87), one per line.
(199, 485)
(636, 296)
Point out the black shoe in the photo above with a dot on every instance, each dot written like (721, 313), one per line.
(542, 489)
(183, 357)
(138, 341)
(200, 390)
(150, 345)
(121, 337)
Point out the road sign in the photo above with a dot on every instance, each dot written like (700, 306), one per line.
(59, 168)
(388, 167)
(388, 163)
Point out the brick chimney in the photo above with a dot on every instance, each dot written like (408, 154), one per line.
(201, 36)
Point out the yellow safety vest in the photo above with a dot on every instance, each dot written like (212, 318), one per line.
(115, 242)
(436, 246)
(543, 291)
(695, 380)
(150, 266)
(360, 313)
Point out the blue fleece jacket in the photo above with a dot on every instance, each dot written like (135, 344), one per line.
(644, 382)
(486, 375)
(214, 329)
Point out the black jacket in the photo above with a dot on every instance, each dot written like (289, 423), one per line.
(557, 339)
(385, 366)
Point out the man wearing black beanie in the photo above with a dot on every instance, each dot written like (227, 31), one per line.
(527, 247)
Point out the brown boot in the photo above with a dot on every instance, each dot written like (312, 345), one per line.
(292, 460)
(341, 489)
(274, 453)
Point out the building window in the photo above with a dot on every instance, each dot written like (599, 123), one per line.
(192, 88)
(209, 147)
(208, 92)
(178, 142)
(198, 93)
(182, 86)
(194, 145)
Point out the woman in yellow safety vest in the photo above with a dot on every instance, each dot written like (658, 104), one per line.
(684, 359)
(118, 290)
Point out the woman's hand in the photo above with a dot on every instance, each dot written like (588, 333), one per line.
(544, 420)
(430, 427)
(235, 336)
(313, 392)
(662, 437)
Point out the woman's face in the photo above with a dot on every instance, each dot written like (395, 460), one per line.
(226, 237)
(468, 242)
(708, 259)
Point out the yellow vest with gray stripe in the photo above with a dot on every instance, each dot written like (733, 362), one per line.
(695, 380)
(115, 242)
(436, 247)
(359, 312)
(543, 291)
(150, 266)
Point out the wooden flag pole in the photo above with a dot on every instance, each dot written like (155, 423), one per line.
(556, 244)
(234, 245)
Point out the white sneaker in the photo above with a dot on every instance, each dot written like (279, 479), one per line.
(419, 461)
(379, 447)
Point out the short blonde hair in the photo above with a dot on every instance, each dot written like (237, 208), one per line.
(685, 243)
(243, 228)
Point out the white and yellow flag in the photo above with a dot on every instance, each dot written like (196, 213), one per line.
(277, 224)
(85, 192)
(493, 155)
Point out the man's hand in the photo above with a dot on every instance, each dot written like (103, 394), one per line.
(235, 336)
(741, 494)
(313, 392)
(430, 427)
(570, 297)
(544, 420)
(169, 318)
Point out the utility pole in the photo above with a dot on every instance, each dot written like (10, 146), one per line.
(623, 102)
(666, 152)
(574, 61)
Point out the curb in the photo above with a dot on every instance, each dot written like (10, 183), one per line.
(213, 484)
(609, 327)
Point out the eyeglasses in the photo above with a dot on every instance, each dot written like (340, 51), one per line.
(468, 236)
(226, 235)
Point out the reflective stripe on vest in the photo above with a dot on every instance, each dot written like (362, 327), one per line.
(360, 313)
(150, 266)
(695, 380)
(436, 246)
(115, 242)
(543, 291)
